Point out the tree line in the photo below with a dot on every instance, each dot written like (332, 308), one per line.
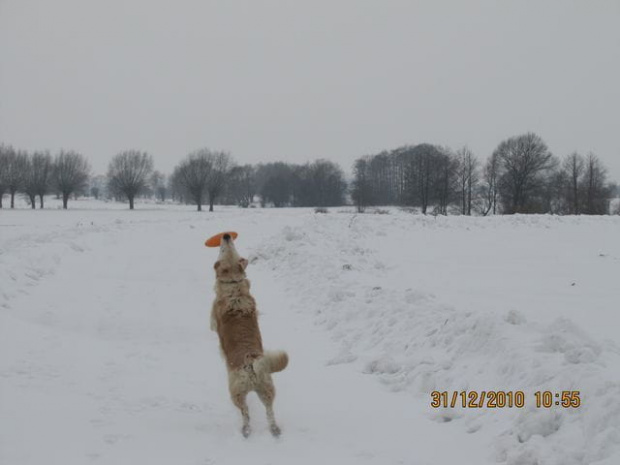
(36, 174)
(203, 177)
(520, 176)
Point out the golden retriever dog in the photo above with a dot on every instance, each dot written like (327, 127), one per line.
(235, 318)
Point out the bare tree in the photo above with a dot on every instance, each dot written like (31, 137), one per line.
(38, 177)
(242, 185)
(14, 172)
(277, 190)
(128, 173)
(221, 163)
(4, 154)
(467, 174)
(178, 191)
(384, 178)
(318, 184)
(192, 176)
(595, 186)
(203, 172)
(490, 177)
(70, 174)
(573, 167)
(29, 182)
(158, 184)
(428, 176)
(557, 193)
(274, 183)
(443, 187)
(523, 160)
(98, 186)
(420, 175)
(361, 189)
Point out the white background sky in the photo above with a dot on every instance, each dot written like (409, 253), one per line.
(286, 80)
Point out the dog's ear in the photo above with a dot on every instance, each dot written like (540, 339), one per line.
(244, 263)
(216, 265)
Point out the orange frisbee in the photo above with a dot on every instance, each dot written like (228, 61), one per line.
(215, 241)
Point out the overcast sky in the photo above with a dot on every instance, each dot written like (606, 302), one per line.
(294, 81)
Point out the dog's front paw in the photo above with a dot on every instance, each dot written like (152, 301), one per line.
(275, 431)
(246, 431)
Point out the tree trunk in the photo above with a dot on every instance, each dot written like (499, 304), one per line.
(199, 206)
(65, 200)
(210, 204)
(41, 201)
(33, 201)
(575, 205)
(1, 195)
(130, 202)
(12, 199)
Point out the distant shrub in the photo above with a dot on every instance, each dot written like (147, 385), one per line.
(321, 210)
(381, 211)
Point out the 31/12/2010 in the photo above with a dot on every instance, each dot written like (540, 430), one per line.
(503, 399)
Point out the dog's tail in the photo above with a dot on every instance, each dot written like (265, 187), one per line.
(271, 361)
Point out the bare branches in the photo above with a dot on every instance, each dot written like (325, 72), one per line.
(361, 190)
(420, 175)
(595, 186)
(490, 191)
(221, 162)
(4, 160)
(242, 185)
(38, 176)
(158, 185)
(467, 176)
(317, 184)
(13, 171)
(128, 174)
(573, 168)
(523, 161)
(71, 171)
(192, 176)
(203, 173)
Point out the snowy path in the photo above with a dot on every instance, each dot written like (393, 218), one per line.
(107, 358)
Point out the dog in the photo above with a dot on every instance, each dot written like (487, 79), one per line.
(235, 319)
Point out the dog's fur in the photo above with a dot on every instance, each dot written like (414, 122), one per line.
(235, 318)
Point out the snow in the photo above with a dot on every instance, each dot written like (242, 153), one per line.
(106, 354)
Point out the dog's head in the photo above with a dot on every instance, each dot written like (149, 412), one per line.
(229, 267)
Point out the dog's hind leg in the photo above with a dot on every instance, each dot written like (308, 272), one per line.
(239, 384)
(238, 399)
(267, 393)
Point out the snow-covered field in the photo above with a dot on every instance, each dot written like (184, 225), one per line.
(106, 356)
